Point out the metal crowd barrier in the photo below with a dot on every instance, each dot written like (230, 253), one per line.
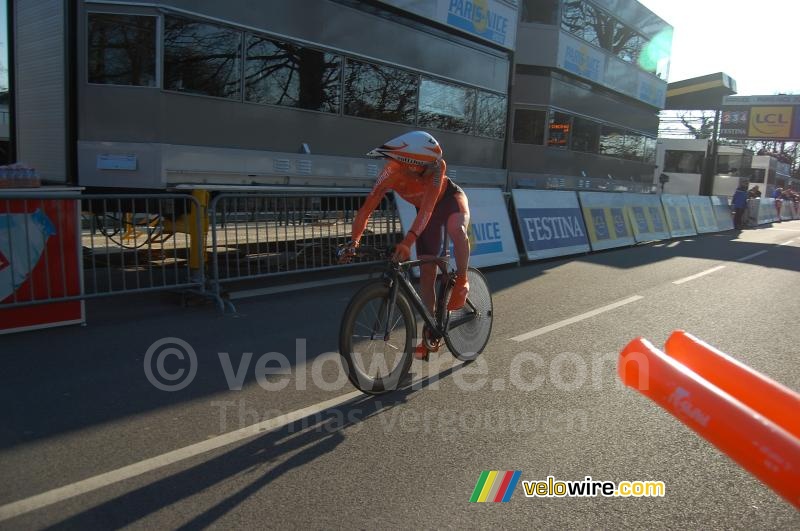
(132, 243)
(255, 235)
(137, 242)
(58, 246)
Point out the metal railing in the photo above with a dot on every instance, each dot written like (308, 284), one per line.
(138, 242)
(64, 246)
(256, 235)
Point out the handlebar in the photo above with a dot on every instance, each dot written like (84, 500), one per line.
(386, 253)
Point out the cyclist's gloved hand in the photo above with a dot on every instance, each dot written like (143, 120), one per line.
(347, 251)
(402, 250)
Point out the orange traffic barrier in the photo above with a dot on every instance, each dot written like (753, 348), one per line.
(767, 397)
(756, 443)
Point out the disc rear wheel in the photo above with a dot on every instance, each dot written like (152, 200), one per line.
(469, 328)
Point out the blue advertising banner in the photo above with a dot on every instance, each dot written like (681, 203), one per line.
(703, 214)
(606, 222)
(646, 216)
(722, 212)
(679, 217)
(550, 223)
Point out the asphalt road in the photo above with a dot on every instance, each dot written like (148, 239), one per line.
(87, 441)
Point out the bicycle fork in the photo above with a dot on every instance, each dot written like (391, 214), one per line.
(393, 287)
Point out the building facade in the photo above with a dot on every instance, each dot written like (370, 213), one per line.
(154, 93)
(590, 78)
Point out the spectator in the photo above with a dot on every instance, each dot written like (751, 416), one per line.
(754, 193)
(777, 195)
(739, 203)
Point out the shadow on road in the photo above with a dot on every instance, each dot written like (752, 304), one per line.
(265, 458)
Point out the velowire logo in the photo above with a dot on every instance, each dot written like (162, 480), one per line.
(495, 486)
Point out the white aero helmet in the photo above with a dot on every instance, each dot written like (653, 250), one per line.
(416, 147)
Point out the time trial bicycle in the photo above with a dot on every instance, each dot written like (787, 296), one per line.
(378, 330)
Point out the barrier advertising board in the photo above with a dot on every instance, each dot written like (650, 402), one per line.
(702, 213)
(39, 260)
(490, 234)
(679, 215)
(550, 223)
(722, 212)
(646, 217)
(606, 222)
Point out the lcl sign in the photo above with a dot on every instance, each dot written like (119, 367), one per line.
(770, 122)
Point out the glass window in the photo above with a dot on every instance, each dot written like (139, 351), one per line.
(529, 126)
(541, 11)
(572, 17)
(202, 58)
(650, 150)
(602, 29)
(683, 161)
(629, 46)
(559, 128)
(598, 27)
(585, 135)
(281, 73)
(380, 92)
(491, 115)
(445, 106)
(634, 147)
(612, 141)
(122, 50)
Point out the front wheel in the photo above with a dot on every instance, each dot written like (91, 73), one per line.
(374, 361)
(469, 328)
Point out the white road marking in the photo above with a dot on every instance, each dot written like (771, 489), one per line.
(698, 275)
(59, 494)
(749, 256)
(786, 242)
(577, 318)
(72, 490)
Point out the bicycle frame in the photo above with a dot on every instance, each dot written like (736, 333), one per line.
(398, 280)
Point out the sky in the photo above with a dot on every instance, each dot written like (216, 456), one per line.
(756, 42)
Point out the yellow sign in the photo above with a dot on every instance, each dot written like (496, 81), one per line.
(770, 122)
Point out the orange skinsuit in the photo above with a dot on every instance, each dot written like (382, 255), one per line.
(421, 191)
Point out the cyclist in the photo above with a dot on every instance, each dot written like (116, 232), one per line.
(416, 172)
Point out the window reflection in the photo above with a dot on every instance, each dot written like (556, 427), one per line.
(603, 30)
(280, 73)
(650, 150)
(585, 135)
(122, 50)
(679, 161)
(202, 58)
(572, 18)
(529, 126)
(380, 92)
(559, 129)
(206, 58)
(634, 147)
(612, 141)
(491, 115)
(445, 106)
(541, 11)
